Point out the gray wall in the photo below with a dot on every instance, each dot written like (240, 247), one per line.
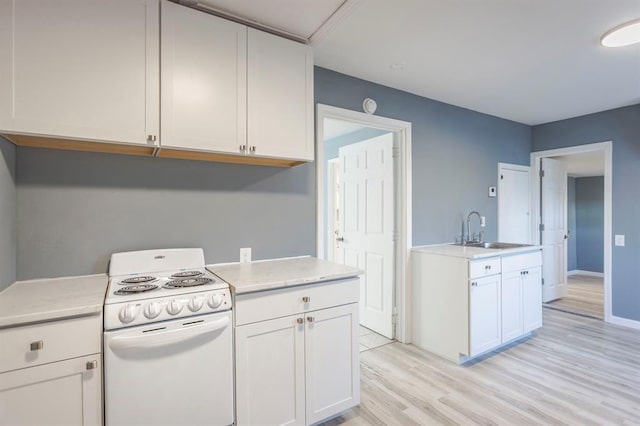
(7, 213)
(455, 152)
(622, 126)
(76, 208)
(572, 251)
(590, 223)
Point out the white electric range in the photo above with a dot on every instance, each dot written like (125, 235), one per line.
(167, 341)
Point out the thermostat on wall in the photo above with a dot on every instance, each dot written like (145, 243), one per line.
(492, 191)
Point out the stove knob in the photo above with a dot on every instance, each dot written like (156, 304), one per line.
(214, 301)
(152, 310)
(195, 304)
(128, 313)
(174, 307)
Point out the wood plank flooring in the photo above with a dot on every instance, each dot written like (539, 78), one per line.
(585, 296)
(572, 371)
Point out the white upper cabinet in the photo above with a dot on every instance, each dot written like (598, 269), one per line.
(80, 69)
(204, 94)
(280, 97)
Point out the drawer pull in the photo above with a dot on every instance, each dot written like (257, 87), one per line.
(309, 319)
(306, 299)
(91, 365)
(487, 267)
(36, 346)
(474, 284)
(300, 321)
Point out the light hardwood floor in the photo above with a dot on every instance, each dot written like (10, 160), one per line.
(572, 371)
(585, 296)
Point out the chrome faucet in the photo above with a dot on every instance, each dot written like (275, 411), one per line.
(469, 237)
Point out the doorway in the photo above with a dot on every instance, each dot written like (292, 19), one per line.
(363, 210)
(572, 199)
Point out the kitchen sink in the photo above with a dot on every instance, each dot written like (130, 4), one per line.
(495, 245)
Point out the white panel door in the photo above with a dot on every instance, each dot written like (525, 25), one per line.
(203, 81)
(60, 393)
(270, 372)
(532, 299)
(514, 220)
(280, 97)
(367, 218)
(511, 305)
(332, 361)
(484, 314)
(84, 69)
(553, 238)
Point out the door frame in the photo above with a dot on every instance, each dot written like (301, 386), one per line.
(527, 169)
(607, 149)
(331, 207)
(403, 211)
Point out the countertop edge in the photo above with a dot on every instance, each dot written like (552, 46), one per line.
(276, 285)
(481, 255)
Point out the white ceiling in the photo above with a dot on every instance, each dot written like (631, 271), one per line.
(528, 61)
(334, 128)
(585, 164)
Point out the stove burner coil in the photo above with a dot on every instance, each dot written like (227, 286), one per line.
(186, 274)
(138, 280)
(188, 282)
(132, 289)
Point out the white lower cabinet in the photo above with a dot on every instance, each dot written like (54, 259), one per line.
(298, 369)
(512, 305)
(532, 298)
(484, 314)
(51, 373)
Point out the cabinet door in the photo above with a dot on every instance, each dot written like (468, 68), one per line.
(280, 97)
(512, 305)
(484, 314)
(203, 81)
(332, 361)
(270, 372)
(83, 69)
(63, 393)
(532, 298)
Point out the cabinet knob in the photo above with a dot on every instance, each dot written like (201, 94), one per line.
(91, 365)
(151, 138)
(474, 284)
(306, 299)
(243, 148)
(309, 319)
(487, 267)
(252, 149)
(300, 321)
(36, 346)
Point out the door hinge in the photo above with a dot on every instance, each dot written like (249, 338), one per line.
(501, 177)
(394, 316)
(541, 173)
(541, 227)
(395, 236)
(543, 281)
(395, 152)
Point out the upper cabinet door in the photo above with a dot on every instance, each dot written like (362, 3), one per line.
(80, 69)
(280, 97)
(203, 81)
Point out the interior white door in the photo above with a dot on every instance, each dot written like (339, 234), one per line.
(514, 220)
(553, 234)
(367, 218)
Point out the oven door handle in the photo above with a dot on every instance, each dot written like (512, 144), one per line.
(162, 338)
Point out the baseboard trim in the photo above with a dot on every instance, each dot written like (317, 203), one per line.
(588, 273)
(625, 322)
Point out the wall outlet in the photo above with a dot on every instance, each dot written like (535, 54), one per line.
(620, 240)
(245, 255)
(492, 191)
(483, 221)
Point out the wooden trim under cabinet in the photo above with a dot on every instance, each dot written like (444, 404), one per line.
(227, 158)
(78, 145)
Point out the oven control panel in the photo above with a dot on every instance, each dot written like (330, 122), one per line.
(126, 314)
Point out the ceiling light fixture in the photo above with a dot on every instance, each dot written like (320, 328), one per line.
(622, 35)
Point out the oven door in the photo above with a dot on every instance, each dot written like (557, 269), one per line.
(177, 372)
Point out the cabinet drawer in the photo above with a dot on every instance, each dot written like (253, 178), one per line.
(264, 305)
(484, 267)
(518, 262)
(37, 344)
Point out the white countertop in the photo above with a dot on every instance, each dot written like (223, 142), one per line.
(471, 252)
(52, 299)
(279, 273)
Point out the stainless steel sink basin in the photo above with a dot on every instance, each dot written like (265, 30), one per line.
(495, 245)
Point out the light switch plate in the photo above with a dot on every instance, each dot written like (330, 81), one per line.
(620, 240)
(492, 191)
(245, 255)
